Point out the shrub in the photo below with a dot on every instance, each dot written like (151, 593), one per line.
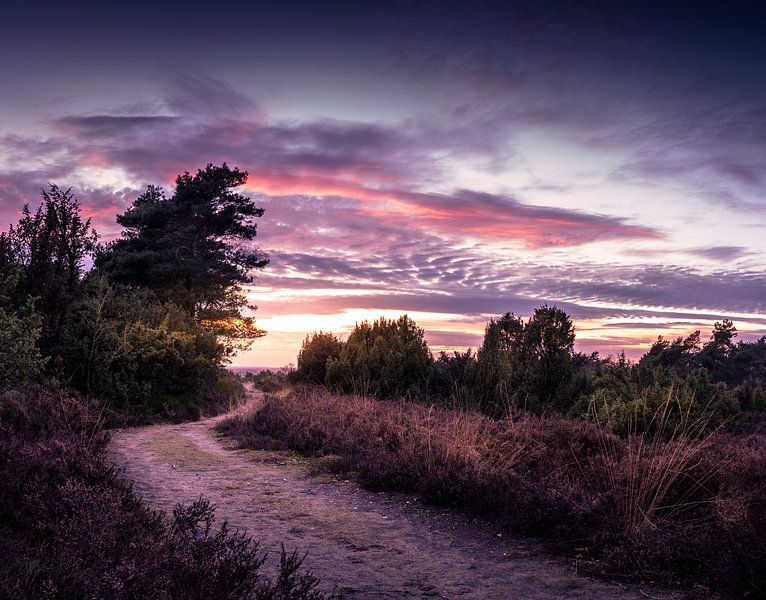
(751, 395)
(452, 382)
(386, 359)
(268, 381)
(141, 356)
(20, 361)
(630, 399)
(316, 350)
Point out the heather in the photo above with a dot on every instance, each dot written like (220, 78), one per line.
(683, 507)
(70, 528)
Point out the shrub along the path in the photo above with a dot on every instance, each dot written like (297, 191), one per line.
(689, 508)
(70, 529)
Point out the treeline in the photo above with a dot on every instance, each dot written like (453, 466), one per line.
(145, 322)
(531, 365)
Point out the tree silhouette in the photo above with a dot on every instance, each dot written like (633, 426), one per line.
(193, 249)
(48, 248)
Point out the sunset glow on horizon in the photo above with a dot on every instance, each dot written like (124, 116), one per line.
(452, 163)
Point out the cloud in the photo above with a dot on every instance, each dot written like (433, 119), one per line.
(505, 218)
(684, 112)
(667, 286)
(188, 93)
(720, 253)
(384, 171)
(111, 127)
(366, 212)
(427, 275)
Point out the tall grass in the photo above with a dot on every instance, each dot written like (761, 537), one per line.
(670, 503)
(660, 468)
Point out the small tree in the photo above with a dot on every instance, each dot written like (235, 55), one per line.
(387, 359)
(48, 248)
(550, 338)
(681, 355)
(316, 350)
(529, 364)
(716, 353)
(501, 364)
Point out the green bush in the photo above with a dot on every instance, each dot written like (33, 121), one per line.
(452, 380)
(389, 358)
(138, 354)
(751, 395)
(20, 360)
(633, 399)
(316, 350)
(268, 381)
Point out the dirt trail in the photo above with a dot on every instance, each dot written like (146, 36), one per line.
(369, 545)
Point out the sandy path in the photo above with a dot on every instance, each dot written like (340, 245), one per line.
(369, 545)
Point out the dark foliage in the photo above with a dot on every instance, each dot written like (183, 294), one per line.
(728, 362)
(387, 358)
(141, 355)
(69, 528)
(48, 248)
(529, 364)
(453, 380)
(627, 398)
(267, 380)
(20, 325)
(190, 249)
(151, 329)
(316, 350)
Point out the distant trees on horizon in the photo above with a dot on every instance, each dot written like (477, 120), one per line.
(531, 365)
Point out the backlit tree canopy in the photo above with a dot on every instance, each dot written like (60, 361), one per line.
(193, 249)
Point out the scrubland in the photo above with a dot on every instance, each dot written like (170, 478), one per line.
(680, 505)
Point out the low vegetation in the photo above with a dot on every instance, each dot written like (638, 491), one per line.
(673, 507)
(69, 528)
(532, 366)
(653, 469)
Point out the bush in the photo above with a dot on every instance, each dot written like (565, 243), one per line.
(20, 361)
(452, 382)
(267, 380)
(630, 399)
(20, 327)
(141, 356)
(69, 528)
(316, 351)
(751, 395)
(386, 359)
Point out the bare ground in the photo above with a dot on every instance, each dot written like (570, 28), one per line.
(365, 544)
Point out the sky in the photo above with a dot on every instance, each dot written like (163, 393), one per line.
(452, 161)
